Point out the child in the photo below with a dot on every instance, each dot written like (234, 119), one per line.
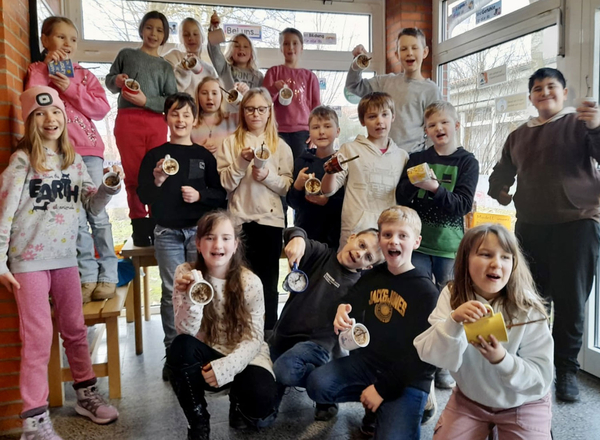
(410, 90)
(191, 37)
(508, 384)
(395, 298)
(292, 119)
(371, 179)
(221, 344)
(139, 125)
(179, 200)
(557, 209)
(84, 100)
(318, 215)
(303, 338)
(43, 188)
(214, 122)
(255, 189)
(239, 64)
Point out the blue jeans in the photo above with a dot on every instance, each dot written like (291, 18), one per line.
(293, 367)
(344, 379)
(172, 247)
(103, 269)
(439, 267)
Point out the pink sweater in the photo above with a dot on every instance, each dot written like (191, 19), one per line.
(307, 96)
(85, 100)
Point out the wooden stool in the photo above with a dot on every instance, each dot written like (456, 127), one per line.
(95, 312)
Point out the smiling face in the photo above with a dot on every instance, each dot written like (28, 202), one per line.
(323, 132)
(378, 122)
(242, 51)
(217, 247)
(398, 240)
(441, 128)
(180, 122)
(490, 267)
(153, 34)
(548, 97)
(63, 37)
(292, 48)
(209, 97)
(191, 37)
(360, 252)
(411, 53)
(49, 123)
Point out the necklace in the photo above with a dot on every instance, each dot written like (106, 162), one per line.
(210, 128)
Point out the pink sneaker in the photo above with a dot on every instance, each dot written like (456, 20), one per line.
(91, 404)
(39, 428)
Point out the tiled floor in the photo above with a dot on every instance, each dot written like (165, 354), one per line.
(149, 409)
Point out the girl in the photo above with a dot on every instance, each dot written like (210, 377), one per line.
(215, 123)
(191, 37)
(506, 385)
(221, 344)
(239, 64)
(140, 126)
(84, 100)
(44, 186)
(255, 189)
(293, 118)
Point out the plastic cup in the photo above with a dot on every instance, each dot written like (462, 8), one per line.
(361, 62)
(262, 155)
(234, 97)
(355, 337)
(200, 291)
(170, 166)
(111, 179)
(590, 101)
(312, 187)
(285, 95)
(334, 164)
(132, 86)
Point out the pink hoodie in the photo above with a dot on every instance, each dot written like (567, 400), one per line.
(84, 100)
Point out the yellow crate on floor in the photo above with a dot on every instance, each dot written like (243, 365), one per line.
(479, 218)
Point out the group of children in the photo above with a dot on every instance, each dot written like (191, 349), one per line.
(355, 227)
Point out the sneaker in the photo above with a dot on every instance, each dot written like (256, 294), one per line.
(39, 428)
(367, 427)
(104, 290)
(91, 404)
(430, 407)
(86, 291)
(326, 411)
(443, 379)
(567, 389)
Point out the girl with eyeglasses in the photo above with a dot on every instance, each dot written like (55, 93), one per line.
(256, 167)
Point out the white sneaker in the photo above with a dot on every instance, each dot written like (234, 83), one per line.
(91, 404)
(39, 428)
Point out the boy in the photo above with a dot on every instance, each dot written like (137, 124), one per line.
(303, 338)
(178, 201)
(558, 209)
(395, 299)
(410, 90)
(371, 179)
(292, 120)
(319, 216)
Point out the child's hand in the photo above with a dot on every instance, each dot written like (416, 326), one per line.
(493, 351)
(210, 147)
(159, 174)
(185, 277)
(247, 153)
(241, 87)
(342, 321)
(360, 49)
(294, 250)
(370, 398)
(428, 185)
(115, 169)
(303, 176)
(190, 195)
(60, 80)
(588, 112)
(471, 311)
(317, 200)
(504, 198)
(209, 376)
(55, 56)
(138, 98)
(259, 174)
(215, 20)
(120, 80)
(279, 84)
(8, 280)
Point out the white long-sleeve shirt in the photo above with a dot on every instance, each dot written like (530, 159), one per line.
(524, 375)
(253, 351)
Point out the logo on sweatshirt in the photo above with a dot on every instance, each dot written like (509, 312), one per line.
(46, 193)
(386, 301)
(331, 280)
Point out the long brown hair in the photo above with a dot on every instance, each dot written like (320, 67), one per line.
(33, 145)
(237, 319)
(519, 294)
(271, 136)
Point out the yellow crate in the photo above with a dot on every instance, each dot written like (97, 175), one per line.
(480, 218)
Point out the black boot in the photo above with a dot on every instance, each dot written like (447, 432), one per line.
(187, 384)
(143, 231)
(239, 420)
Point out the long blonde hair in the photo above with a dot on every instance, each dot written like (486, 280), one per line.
(519, 294)
(271, 136)
(33, 144)
(252, 62)
(222, 111)
(197, 23)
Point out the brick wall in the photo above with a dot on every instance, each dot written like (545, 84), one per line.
(407, 13)
(14, 59)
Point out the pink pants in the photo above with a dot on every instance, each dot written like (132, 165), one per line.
(464, 419)
(137, 131)
(35, 325)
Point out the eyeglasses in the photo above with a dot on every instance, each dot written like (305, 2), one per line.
(260, 110)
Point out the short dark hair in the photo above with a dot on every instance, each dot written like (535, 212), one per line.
(180, 100)
(324, 112)
(155, 15)
(377, 100)
(293, 31)
(412, 32)
(547, 72)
